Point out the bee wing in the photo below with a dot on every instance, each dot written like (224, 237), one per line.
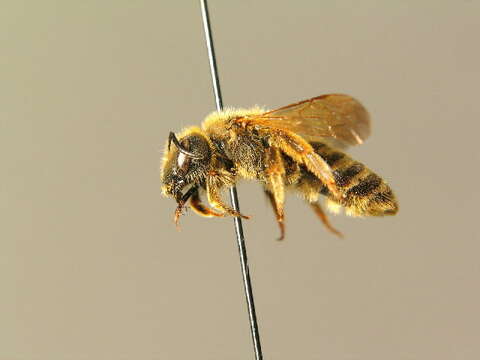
(335, 118)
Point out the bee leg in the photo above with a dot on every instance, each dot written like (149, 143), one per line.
(216, 202)
(301, 151)
(275, 185)
(279, 214)
(181, 203)
(319, 211)
(197, 206)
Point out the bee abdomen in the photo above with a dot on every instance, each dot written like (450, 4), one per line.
(365, 186)
(364, 193)
(347, 176)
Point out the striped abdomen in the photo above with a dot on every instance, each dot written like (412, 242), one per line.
(364, 193)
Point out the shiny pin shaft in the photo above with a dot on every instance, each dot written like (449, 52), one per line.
(233, 193)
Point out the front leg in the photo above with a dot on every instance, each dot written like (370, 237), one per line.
(217, 180)
(181, 203)
(197, 206)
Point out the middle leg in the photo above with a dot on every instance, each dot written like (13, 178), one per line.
(275, 186)
(279, 214)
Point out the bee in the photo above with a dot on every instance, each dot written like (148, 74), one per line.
(298, 147)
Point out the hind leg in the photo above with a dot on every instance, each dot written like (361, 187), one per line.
(302, 152)
(323, 217)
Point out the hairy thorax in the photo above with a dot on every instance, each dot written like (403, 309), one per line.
(243, 146)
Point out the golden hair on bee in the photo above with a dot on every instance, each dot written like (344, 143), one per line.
(297, 147)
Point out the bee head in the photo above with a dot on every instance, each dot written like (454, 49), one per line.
(185, 162)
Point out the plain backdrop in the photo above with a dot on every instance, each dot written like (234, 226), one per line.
(91, 265)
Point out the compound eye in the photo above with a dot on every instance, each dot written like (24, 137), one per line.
(182, 160)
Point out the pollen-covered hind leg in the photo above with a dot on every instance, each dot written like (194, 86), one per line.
(301, 151)
(323, 217)
(279, 214)
(202, 210)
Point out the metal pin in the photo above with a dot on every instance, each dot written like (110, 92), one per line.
(233, 193)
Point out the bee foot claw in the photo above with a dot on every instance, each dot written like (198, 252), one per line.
(237, 214)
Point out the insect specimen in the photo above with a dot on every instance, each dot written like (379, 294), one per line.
(297, 147)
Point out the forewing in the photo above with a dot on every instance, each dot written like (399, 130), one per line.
(335, 118)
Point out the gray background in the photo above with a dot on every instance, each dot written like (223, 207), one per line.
(91, 265)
